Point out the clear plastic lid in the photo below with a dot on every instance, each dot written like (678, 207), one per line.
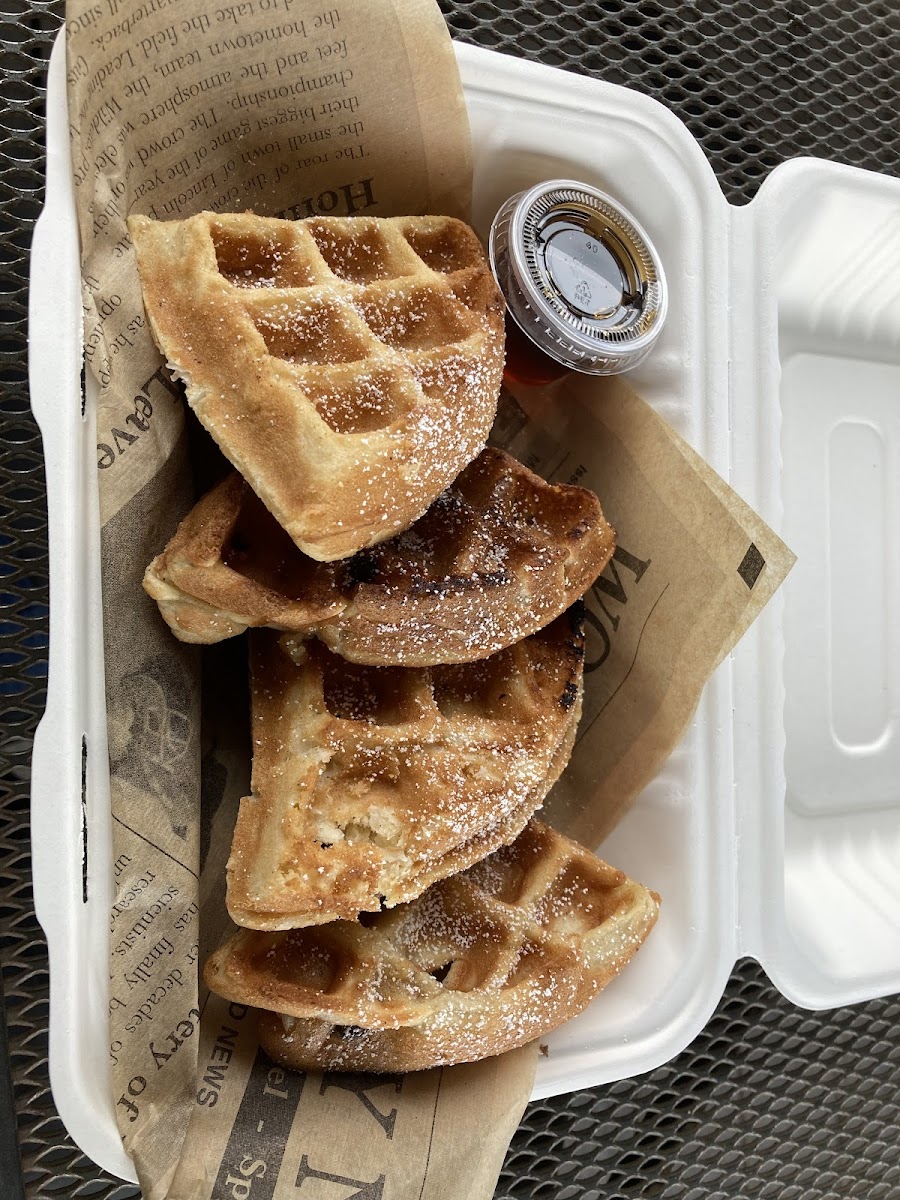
(581, 278)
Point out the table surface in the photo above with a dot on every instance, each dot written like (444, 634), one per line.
(770, 1101)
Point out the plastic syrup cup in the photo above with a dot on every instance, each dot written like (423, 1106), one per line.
(581, 278)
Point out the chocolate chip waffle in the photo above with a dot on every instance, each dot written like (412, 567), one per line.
(498, 555)
(370, 783)
(479, 964)
(349, 368)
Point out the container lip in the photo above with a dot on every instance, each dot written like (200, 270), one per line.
(590, 345)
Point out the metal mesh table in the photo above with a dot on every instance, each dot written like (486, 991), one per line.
(770, 1101)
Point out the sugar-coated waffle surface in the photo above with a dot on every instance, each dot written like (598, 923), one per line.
(229, 566)
(370, 783)
(348, 367)
(480, 963)
(498, 554)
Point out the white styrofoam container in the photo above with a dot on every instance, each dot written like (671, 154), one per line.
(774, 828)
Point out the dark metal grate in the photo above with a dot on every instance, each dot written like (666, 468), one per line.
(24, 46)
(769, 1102)
(755, 81)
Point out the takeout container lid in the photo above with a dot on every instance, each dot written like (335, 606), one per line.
(774, 829)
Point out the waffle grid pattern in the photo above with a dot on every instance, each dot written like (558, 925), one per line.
(361, 336)
(508, 552)
(512, 712)
(769, 1102)
(465, 963)
(323, 299)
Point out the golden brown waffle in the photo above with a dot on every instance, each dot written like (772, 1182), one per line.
(369, 783)
(230, 565)
(498, 555)
(348, 367)
(479, 964)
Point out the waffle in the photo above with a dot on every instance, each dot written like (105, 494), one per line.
(498, 555)
(370, 783)
(349, 368)
(230, 565)
(479, 964)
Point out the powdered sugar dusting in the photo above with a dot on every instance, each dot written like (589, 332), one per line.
(389, 778)
(289, 299)
(493, 559)
(458, 974)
